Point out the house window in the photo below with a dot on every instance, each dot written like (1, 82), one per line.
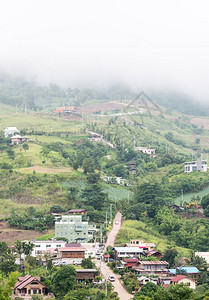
(47, 246)
(29, 292)
(38, 246)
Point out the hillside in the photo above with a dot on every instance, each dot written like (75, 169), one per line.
(57, 166)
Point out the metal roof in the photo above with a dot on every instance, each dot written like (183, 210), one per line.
(128, 249)
(189, 270)
(153, 262)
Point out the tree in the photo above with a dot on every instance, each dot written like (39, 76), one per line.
(79, 294)
(94, 196)
(11, 153)
(25, 146)
(88, 165)
(170, 255)
(23, 248)
(64, 280)
(198, 262)
(6, 285)
(180, 292)
(87, 263)
(7, 262)
(205, 205)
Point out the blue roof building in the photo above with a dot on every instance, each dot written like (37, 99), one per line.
(192, 271)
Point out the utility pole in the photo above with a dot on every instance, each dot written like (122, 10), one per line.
(106, 284)
(100, 264)
(106, 219)
(182, 197)
(128, 196)
(115, 201)
(111, 212)
(16, 108)
(25, 109)
(101, 233)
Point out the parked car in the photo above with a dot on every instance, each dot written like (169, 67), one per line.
(64, 263)
(117, 223)
(111, 278)
(77, 262)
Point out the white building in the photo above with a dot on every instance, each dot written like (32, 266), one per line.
(149, 151)
(10, 131)
(41, 247)
(198, 165)
(74, 229)
(204, 255)
(121, 252)
(114, 180)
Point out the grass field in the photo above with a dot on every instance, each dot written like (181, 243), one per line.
(188, 197)
(114, 192)
(139, 230)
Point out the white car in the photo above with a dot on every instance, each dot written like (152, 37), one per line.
(111, 278)
(117, 223)
(77, 262)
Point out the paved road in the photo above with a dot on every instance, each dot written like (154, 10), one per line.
(106, 271)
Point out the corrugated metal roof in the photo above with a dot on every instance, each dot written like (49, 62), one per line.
(189, 269)
(128, 249)
(69, 249)
(177, 278)
(153, 262)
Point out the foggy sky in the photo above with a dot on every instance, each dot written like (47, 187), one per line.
(152, 43)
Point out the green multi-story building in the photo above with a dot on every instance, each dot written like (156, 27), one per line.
(74, 229)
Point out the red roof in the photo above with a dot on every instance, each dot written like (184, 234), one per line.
(130, 260)
(177, 278)
(70, 249)
(153, 262)
(23, 281)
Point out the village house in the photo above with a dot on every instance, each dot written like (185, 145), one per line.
(123, 252)
(114, 180)
(74, 229)
(10, 131)
(28, 286)
(68, 255)
(193, 272)
(198, 165)
(41, 247)
(149, 151)
(132, 169)
(141, 244)
(130, 262)
(18, 139)
(151, 268)
(85, 274)
(154, 253)
(185, 280)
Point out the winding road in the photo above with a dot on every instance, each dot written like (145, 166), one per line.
(105, 270)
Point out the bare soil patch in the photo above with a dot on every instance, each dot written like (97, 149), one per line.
(40, 169)
(106, 106)
(201, 122)
(10, 235)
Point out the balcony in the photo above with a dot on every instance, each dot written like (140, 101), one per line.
(79, 228)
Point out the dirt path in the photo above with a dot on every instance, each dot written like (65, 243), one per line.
(105, 270)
